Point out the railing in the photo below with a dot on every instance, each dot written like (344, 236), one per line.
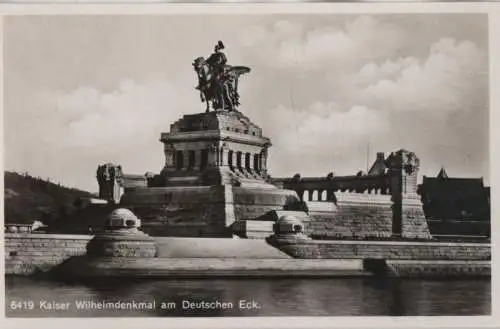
(18, 228)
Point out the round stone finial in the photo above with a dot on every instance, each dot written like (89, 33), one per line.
(288, 224)
(122, 218)
(121, 237)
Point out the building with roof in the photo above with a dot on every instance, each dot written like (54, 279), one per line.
(456, 206)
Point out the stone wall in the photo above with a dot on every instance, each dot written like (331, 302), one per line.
(355, 215)
(430, 269)
(251, 203)
(202, 210)
(413, 222)
(253, 229)
(387, 250)
(27, 254)
(181, 211)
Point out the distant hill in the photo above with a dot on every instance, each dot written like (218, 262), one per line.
(28, 198)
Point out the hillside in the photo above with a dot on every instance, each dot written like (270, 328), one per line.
(30, 198)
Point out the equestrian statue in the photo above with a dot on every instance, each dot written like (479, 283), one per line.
(217, 81)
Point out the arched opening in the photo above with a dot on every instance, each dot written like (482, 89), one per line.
(305, 196)
(204, 159)
(256, 163)
(191, 159)
(179, 160)
(324, 195)
(314, 195)
(238, 160)
(230, 159)
(247, 162)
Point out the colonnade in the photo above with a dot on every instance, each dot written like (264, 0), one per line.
(235, 160)
(321, 194)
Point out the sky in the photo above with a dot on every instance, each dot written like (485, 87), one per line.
(328, 89)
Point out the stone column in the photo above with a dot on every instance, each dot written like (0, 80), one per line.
(213, 156)
(311, 192)
(239, 160)
(231, 158)
(185, 162)
(256, 163)
(248, 162)
(169, 155)
(263, 162)
(197, 160)
(223, 155)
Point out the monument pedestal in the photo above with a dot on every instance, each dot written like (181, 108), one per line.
(215, 174)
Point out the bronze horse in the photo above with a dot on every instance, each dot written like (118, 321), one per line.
(219, 89)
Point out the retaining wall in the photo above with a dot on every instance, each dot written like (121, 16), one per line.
(354, 215)
(386, 250)
(28, 253)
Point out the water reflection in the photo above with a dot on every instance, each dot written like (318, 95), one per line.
(276, 297)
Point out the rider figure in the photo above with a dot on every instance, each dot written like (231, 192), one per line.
(217, 62)
(218, 59)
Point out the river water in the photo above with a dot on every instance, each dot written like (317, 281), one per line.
(28, 297)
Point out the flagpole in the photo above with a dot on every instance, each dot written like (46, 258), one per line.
(367, 156)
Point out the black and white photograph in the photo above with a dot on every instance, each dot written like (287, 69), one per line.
(239, 164)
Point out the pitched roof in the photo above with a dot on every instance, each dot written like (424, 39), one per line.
(442, 173)
(445, 187)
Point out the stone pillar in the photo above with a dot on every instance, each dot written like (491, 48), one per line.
(239, 160)
(185, 161)
(248, 162)
(256, 162)
(408, 216)
(329, 195)
(213, 156)
(311, 195)
(231, 159)
(197, 160)
(223, 155)
(263, 162)
(169, 151)
(117, 192)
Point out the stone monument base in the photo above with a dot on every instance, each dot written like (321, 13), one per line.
(122, 244)
(208, 211)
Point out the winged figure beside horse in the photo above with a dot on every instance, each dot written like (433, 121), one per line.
(217, 81)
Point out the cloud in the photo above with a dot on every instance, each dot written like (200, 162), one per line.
(286, 44)
(321, 131)
(322, 88)
(121, 125)
(451, 78)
